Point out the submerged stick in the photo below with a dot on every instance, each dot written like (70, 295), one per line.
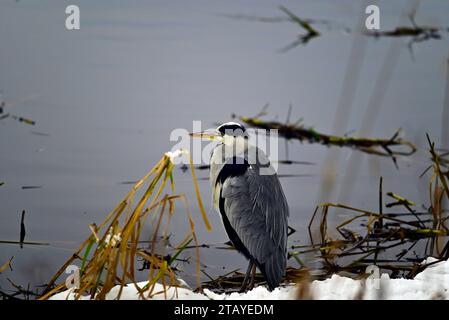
(377, 146)
(22, 229)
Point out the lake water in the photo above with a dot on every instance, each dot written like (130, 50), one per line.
(106, 97)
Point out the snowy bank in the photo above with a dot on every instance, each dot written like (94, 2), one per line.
(432, 283)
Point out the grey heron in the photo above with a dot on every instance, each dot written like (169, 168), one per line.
(248, 196)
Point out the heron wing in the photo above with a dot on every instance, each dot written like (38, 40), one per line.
(257, 210)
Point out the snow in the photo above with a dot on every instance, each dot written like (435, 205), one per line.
(432, 283)
(175, 154)
(130, 292)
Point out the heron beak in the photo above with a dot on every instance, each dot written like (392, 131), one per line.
(213, 136)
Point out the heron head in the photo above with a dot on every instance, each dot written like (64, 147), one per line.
(232, 129)
(227, 133)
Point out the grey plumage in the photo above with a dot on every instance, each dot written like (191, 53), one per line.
(253, 208)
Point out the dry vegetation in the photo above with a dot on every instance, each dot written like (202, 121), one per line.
(108, 256)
